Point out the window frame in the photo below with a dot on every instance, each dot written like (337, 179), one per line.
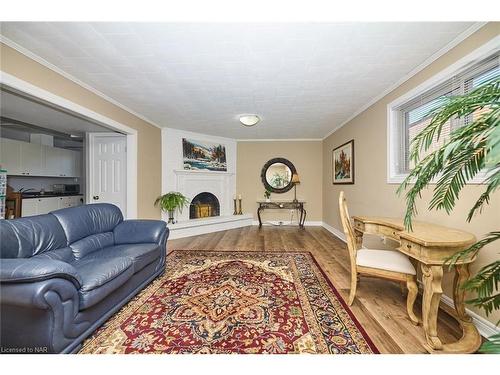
(396, 135)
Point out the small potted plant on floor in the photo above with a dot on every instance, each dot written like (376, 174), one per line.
(171, 202)
(267, 194)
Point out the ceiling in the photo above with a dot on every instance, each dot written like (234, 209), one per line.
(26, 110)
(302, 79)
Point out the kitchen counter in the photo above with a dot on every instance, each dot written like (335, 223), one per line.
(48, 194)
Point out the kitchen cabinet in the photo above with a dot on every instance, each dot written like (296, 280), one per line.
(45, 205)
(60, 162)
(39, 206)
(32, 159)
(29, 207)
(10, 156)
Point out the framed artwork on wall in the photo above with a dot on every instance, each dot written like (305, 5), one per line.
(343, 163)
(199, 155)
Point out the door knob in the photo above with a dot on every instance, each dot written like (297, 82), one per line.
(96, 197)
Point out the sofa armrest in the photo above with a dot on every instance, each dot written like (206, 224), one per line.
(141, 231)
(26, 270)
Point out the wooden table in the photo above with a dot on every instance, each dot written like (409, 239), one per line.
(283, 205)
(430, 245)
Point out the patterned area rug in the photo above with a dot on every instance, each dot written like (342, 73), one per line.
(235, 302)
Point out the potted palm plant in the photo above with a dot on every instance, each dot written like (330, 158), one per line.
(171, 202)
(472, 148)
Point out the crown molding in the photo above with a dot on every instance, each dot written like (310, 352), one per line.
(460, 38)
(66, 75)
(280, 140)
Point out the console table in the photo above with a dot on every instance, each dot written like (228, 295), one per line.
(283, 205)
(431, 245)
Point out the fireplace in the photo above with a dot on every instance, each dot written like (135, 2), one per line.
(204, 205)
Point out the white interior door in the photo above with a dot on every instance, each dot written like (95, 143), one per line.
(108, 169)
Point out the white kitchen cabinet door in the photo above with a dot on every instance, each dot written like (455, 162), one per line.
(31, 159)
(67, 162)
(77, 164)
(51, 161)
(74, 201)
(29, 207)
(46, 205)
(10, 156)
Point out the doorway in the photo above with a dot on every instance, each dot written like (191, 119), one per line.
(14, 84)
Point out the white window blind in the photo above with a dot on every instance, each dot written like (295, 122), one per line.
(416, 114)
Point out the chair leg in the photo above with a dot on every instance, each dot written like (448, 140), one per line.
(354, 284)
(411, 284)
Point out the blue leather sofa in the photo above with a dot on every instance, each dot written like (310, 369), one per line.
(64, 273)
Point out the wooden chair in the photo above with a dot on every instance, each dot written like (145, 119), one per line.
(387, 264)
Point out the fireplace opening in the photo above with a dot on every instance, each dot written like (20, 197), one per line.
(204, 205)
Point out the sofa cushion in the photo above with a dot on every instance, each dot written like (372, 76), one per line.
(83, 221)
(140, 254)
(94, 242)
(28, 236)
(100, 276)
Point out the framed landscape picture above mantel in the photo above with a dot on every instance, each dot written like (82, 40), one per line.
(199, 155)
(343, 163)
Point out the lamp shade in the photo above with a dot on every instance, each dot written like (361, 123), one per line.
(295, 179)
(249, 120)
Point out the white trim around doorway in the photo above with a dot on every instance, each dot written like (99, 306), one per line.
(19, 85)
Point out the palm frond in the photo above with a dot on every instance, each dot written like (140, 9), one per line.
(472, 250)
(493, 183)
(460, 159)
(492, 346)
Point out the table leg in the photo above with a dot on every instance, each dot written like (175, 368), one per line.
(258, 216)
(304, 218)
(471, 339)
(432, 277)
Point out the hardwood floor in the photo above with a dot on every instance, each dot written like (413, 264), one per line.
(380, 305)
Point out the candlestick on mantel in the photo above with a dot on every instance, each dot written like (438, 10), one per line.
(235, 207)
(240, 212)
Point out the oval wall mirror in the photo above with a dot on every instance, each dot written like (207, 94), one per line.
(277, 175)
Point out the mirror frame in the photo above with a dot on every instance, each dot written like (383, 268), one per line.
(288, 163)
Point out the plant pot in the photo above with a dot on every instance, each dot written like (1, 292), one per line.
(268, 200)
(171, 217)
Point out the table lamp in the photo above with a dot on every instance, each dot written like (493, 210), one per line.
(295, 182)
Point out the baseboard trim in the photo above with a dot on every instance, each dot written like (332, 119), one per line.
(337, 233)
(485, 327)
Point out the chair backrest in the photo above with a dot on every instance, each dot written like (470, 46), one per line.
(348, 229)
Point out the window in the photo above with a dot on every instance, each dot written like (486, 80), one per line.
(408, 116)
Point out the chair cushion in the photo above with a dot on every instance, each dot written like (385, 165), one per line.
(100, 276)
(140, 254)
(387, 260)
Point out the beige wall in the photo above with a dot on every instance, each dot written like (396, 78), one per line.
(305, 156)
(149, 136)
(372, 195)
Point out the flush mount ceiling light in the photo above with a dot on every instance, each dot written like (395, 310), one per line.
(249, 120)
